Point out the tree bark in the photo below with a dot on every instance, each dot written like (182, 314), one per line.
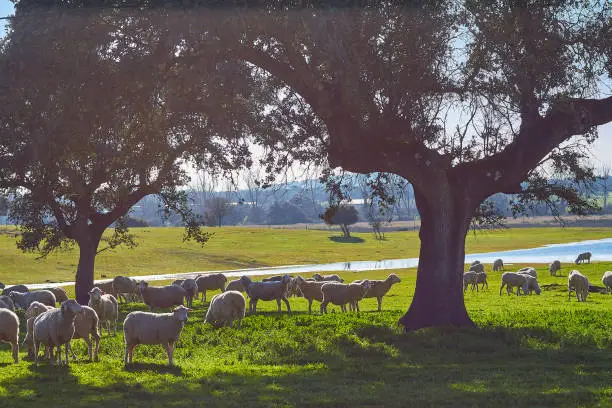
(438, 297)
(84, 281)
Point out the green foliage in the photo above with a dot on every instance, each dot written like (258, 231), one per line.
(342, 215)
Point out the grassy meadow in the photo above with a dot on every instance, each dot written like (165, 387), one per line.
(537, 351)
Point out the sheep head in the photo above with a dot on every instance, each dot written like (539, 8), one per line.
(245, 280)
(393, 278)
(180, 313)
(71, 306)
(142, 285)
(317, 277)
(96, 294)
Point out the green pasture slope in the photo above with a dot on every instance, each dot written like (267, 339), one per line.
(536, 351)
(161, 250)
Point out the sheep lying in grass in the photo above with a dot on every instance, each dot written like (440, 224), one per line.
(9, 331)
(54, 328)
(7, 303)
(310, 290)
(225, 308)
(478, 268)
(85, 324)
(125, 289)
(341, 294)
(266, 291)
(162, 296)
(607, 281)
(235, 285)
(512, 280)
(191, 290)
(106, 308)
(211, 281)
(554, 267)
(529, 270)
(59, 293)
(498, 265)
(153, 328)
(579, 283)
(585, 256)
(23, 299)
(328, 278)
(15, 288)
(470, 278)
(379, 288)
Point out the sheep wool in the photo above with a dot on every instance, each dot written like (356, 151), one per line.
(225, 308)
(162, 296)
(23, 299)
(9, 331)
(578, 283)
(607, 281)
(340, 294)
(54, 328)
(275, 290)
(212, 281)
(379, 288)
(106, 308)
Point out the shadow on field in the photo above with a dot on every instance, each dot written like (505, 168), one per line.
(345, 240)
(335, 361)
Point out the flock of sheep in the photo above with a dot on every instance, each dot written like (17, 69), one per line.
(526, 279)
(49, 328)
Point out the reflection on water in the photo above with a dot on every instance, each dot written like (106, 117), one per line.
(601, 250)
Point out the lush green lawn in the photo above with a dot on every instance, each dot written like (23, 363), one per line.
(529, 351)
(160, 250)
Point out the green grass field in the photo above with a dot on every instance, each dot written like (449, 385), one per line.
(160, 250)
(536, 351)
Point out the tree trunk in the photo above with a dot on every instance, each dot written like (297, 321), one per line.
(88, 247)
(438, 296)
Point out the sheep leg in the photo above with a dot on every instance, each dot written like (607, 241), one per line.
(169, 350)
(323, 307)
(286, 304)
(356, 306)
(129, 353)
(309, 306)
(15, 350)
(379, 299)
(343, 308)
(74, 356)
(500, 289)
(278, 303)
(66, 347)
(115, 328)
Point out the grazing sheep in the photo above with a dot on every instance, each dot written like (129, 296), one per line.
(266, 291)
(479, 268)
(607, 281)
(191, 290)
(482, 278)
(310, 290)
(470, 278)
(235, 285)
(578, 283)
(328, 278)
(106, 308)
(178, 282)
(153, 328)
(54, 328)
(340, 294)
(124, 288)
(162, 296)
(529, 270)
(211, 281)
(226, 307)
(15, 288)
(85, 324)
(23, 299)
(7, 303)
(9, 331)
(532, 285)
(513, 279)
(585, 256)
(59, 293)
(475, 263)
(498, 265)
(379, 288)
(554, 267)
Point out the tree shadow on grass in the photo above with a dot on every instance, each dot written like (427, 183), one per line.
(158, 368)
(347, 240)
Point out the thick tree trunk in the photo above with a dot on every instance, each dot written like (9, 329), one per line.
(438, 297)
(88, 247)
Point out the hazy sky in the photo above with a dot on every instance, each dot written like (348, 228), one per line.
(601, 150)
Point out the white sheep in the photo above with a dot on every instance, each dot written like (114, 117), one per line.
(7, 303)
(607, 281)
(498, 265)
(191, 290)
(478, 267)
(529, 270)
(9, 331)
(585, 256)
(328, 278)
(578, 283)
(310, 290)
(211, 281)
(124, 288)
(532, 285)
(482, 278)
(85, 324)
(235, 285)
(162, 296)
(512, 280)
(23, 299)
(15, 288)
(225, 308)
(54, 328)
(470, 278)
(106, 307)
(153, 328)
(59, 293)
(35, 309)
(379, 288)
(554, 267)
(267, 291)
(341, 294)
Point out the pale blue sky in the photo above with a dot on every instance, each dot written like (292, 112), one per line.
(601, 150)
